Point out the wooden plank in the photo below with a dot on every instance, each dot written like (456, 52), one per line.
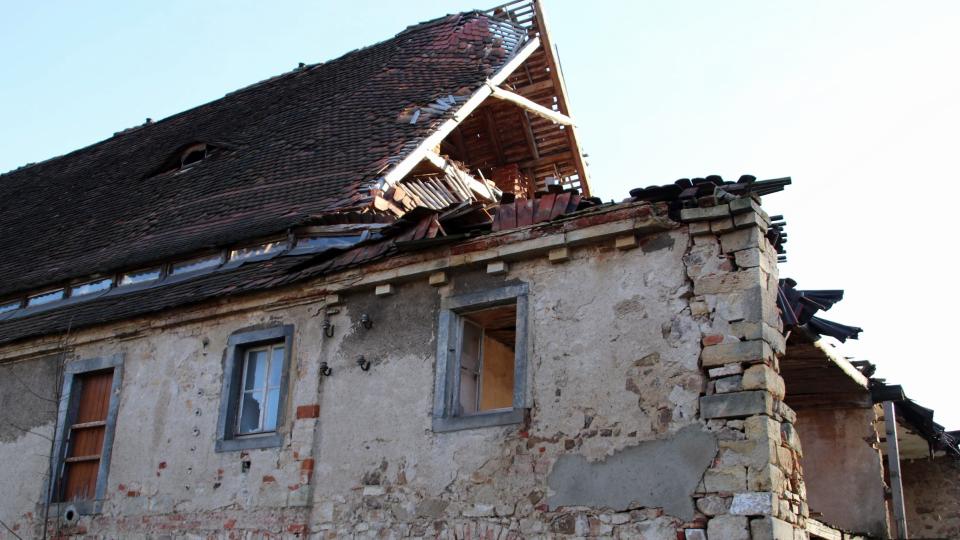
(557, 78)
(491, 128)
(532, 106)
(78, 459)
(545, 160)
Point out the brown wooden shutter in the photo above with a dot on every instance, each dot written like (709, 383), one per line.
(85, 436)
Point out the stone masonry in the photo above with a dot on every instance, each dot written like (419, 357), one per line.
(653, 349)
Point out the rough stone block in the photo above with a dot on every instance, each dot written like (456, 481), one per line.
(736, 405)
(742, 351)
(752, 503)
(385, 289)
(721, 226)
(763, 377)
(705, 214)
(713, 505)
(771, 528)
(558, 255)
(784, 411)
(742, 239)
(439, 278)
(751, 219)
(728, 528)
(627, 241)
(767, 478)
(723, 371)
(749, 453)
(727, 282)
(497, 267)
(332, 300)
(725, 480)
(762, 428)
(694, 534)
(699, 228)
(728, 384)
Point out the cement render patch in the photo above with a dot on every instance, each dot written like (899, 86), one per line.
(656, 474)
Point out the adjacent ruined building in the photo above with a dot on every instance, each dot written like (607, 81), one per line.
(374, 298)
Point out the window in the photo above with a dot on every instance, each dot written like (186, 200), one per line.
(85, 427)
(140, 276)
(45, 298)
(254, 389)
(196, 265)
(481, 360)
(91, 287)
(256, 251)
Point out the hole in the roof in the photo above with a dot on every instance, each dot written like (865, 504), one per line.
(193, 154)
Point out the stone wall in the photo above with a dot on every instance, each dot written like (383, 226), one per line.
(755, 487)
(931, 492)
(652, 383)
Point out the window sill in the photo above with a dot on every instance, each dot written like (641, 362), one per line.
(253, 442)
(475, 421)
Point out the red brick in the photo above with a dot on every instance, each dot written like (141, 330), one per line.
(133, 493)
(308, 411)
(712, 339)
(267, 479)
(230, 524)
(307, 464)
(298, 528)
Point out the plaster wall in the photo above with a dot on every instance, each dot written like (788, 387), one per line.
(843, 468)
(613, 362)
(931, 492)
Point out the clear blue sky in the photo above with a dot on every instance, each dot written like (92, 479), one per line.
(856, 100)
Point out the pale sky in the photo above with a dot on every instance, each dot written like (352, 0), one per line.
(855, 100)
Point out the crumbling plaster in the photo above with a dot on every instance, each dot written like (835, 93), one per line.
(615, 341)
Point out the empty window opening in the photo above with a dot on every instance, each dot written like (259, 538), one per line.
(9, 306)
(140, 276)
(85, 434)
(260, 389)
(487, 355)
(45, 297)
(91, 287)
(194, 154)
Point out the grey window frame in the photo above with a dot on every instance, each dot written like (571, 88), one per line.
(449, 342)
(67, 408)
(237, 344)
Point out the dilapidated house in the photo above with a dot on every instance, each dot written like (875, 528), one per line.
(374, 298)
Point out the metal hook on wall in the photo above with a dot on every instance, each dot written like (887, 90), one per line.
(325, 369)
(366, 321)
(327, 328)
(363, 363)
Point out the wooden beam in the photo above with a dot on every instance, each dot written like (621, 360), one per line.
(531, 106)
(480, 189)
(557, 77)
(411, 160)
(893, 462)
(528, 131)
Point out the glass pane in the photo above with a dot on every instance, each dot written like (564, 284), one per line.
(250, 406)
(256, 369)
(195, 264)
(140, 276)
(91, 287)
(276, 366)
(9, 306)
(256, 251)
(273, 403)
(45, 298)
(470, 367)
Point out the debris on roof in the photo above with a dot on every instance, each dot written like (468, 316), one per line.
(798, 309)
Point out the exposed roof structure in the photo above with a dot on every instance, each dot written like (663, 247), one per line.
(798, 309)
(356, 135)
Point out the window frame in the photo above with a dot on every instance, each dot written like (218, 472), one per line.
(66, 410)
(450, 341)
(228, 438)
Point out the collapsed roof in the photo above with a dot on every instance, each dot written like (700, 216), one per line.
(330, 138)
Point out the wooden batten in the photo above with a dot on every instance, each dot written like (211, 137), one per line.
(532, 106)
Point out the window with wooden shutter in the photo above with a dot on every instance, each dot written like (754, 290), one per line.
(85, 434)
(86, 422)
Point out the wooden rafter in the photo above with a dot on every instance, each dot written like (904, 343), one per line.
(531, 106)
